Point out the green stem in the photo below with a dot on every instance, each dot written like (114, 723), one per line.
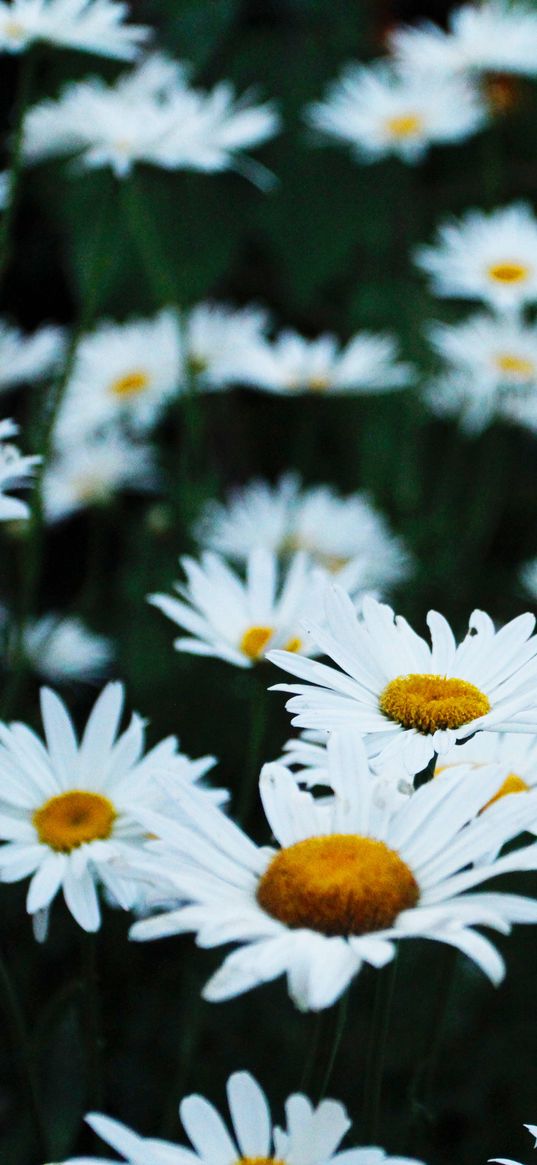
(147, 242)
(378, 1038)
(339, 1028)
(92, 1021)
(21, 1051)
(24, 93)
(423, 1087)
(191, 1033)
(257, 708)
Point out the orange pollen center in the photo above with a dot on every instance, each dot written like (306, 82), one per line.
(294, 644)
(515, 365)
(508, 272)
(259, 1161)
(73, 819)
(429, 702)
(131, 384)
(342, 884)
(405, 126)
(255, 640)
(512, 784)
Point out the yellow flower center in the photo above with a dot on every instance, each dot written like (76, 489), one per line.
(429, 702)
(259, 1161)
(255, 640)
(74, 818)
(341, 884)
(294, 644)
(319, 383)
(516, 366)
(131, 384)
(404, 126)
(512, 784)
(508, 272)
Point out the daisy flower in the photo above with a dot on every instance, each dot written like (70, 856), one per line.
(378, 111)
(16, 471)
(307, 758)
(532, 1129)
(91, 471)
(222, 342)
(292, 364)
(92, 26)
(149, 115)
(348, 880)
(411, 700)
(489, 361)
(487, 256)
(24, 359)
(69, 810)
(346, 536)
(514, 755)
(62, 649)
(311, 1135)
(238, 621)
(498, 36)
(123, 372)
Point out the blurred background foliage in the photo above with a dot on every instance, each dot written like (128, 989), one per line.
(328, 249)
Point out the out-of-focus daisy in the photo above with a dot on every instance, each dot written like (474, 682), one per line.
(16, 472)
(378, 111)
(411, 700)
(532, 1129)
(489, 361)
(491, 257)
(346, 536)
(222, 343)
(123, 371)
(350, 878)
(236, 620)
(5, 187)
(514, 755)
(149, 115)
(292, 364)
(61, 648)
(498, 36)
(24, 359)
(311, 1135)
(89, 472)
(92, 26)
(69, 810)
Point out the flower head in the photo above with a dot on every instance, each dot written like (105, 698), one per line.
(378, 111)
(292, 364)
(222, 343)
(62, 649)
(497, 36)
(349, 879)
(237, 620)
(92, 26)
(90, 471)
(149, 115)
(69, 809)
(24, 359)
(348, 537)
(311, 1135)
(491, 257)
(411, 700)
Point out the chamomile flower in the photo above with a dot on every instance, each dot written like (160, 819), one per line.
(514, 755)
(236, 620)
(123, 372)
(292, 364)
(69, 810)
(311, 1135)
(16, 472)
(378, 111)
(62, 649)
(149, 115)
(222, 343)
(489, 362)
(486, 256)
(24, 359)
(92, 26)
(350, 878)
(498, 36)
(532, 1129)
(411, 700)
(348, 537)
(91, 471)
